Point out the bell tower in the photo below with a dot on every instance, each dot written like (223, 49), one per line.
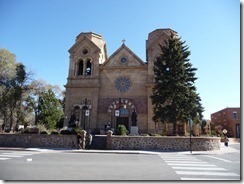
(88, 52)
(155, 38)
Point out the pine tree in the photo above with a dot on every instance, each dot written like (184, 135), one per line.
(174, 94)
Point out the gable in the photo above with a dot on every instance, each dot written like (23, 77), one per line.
(124, 57)
(85, 42)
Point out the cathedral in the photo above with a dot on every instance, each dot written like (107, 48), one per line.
(106, 91)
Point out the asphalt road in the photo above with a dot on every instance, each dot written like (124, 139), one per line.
(67, 165)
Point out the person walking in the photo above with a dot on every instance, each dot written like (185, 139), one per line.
(226, 140)
(78, 137)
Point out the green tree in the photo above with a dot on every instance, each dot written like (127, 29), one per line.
(37, 89)
(7, 68)
(13, 82)
(174, 94)
(50, 109)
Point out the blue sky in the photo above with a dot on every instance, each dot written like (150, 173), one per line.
(40, 34)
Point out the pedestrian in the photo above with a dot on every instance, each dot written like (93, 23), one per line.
(3, 126)
(78, 141)
(89, 140)
(226, 140)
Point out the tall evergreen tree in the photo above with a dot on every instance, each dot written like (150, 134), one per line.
(174, 94)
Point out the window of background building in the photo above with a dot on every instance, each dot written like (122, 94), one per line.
(234, 115)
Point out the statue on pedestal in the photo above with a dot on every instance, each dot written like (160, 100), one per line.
(134, 118)
(72, 121)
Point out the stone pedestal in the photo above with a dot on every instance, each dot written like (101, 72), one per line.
(134, 130)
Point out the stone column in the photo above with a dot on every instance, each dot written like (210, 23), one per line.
(83, 139)
(109, 140)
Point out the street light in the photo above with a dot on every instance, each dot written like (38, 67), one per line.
(190, 127)
(85, 111)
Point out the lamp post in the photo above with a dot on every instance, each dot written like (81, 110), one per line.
(190, 127)
(85, 111)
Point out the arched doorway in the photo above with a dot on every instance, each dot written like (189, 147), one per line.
(119, 112)
(123, 118)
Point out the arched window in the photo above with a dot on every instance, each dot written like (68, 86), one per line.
(80, 67)
(88, 67)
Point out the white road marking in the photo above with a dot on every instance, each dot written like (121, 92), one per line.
(4, 158)
(208, 178)
(196, 165)
(187, 162)
(218, 158)
(206, 173)
(11, 156)
(199, 168)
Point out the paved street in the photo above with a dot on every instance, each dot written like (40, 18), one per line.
(41, 164)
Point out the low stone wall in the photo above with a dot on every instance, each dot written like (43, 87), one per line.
(113, 142)
(38, 141)
(162, 143)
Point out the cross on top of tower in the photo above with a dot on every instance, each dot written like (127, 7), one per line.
(123, 41)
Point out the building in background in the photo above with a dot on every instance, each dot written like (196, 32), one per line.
(229, 119)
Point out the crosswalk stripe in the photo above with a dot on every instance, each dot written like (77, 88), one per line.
(192, 159)
(24, 154)
(4, 158)
(196, 165)
(180, 161)
(199, 168)
(11, 156)
(196, 169)
(209, 178)
(206, 173)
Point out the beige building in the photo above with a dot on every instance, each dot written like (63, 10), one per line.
(104, 91)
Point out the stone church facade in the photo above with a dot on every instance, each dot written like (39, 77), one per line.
(104, 91)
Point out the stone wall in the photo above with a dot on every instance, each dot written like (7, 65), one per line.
(113, 142)
(162, 143)
(38, 141)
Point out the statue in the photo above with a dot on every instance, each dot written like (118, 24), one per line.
(72, 121)
(134, 118)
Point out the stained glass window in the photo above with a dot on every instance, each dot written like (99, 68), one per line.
(123, 84)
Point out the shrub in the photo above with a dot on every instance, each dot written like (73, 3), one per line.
(120, 130)
(41, 127)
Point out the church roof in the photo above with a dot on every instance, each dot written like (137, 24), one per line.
(127, 51)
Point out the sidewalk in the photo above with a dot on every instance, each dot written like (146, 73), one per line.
(223, 150)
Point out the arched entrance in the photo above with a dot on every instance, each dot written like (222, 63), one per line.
(119, 112)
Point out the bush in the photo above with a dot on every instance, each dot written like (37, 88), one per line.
(41, 127)
(120, 130)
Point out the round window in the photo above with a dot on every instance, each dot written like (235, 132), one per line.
(84, 51)
(123, 60)
(123, 84)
